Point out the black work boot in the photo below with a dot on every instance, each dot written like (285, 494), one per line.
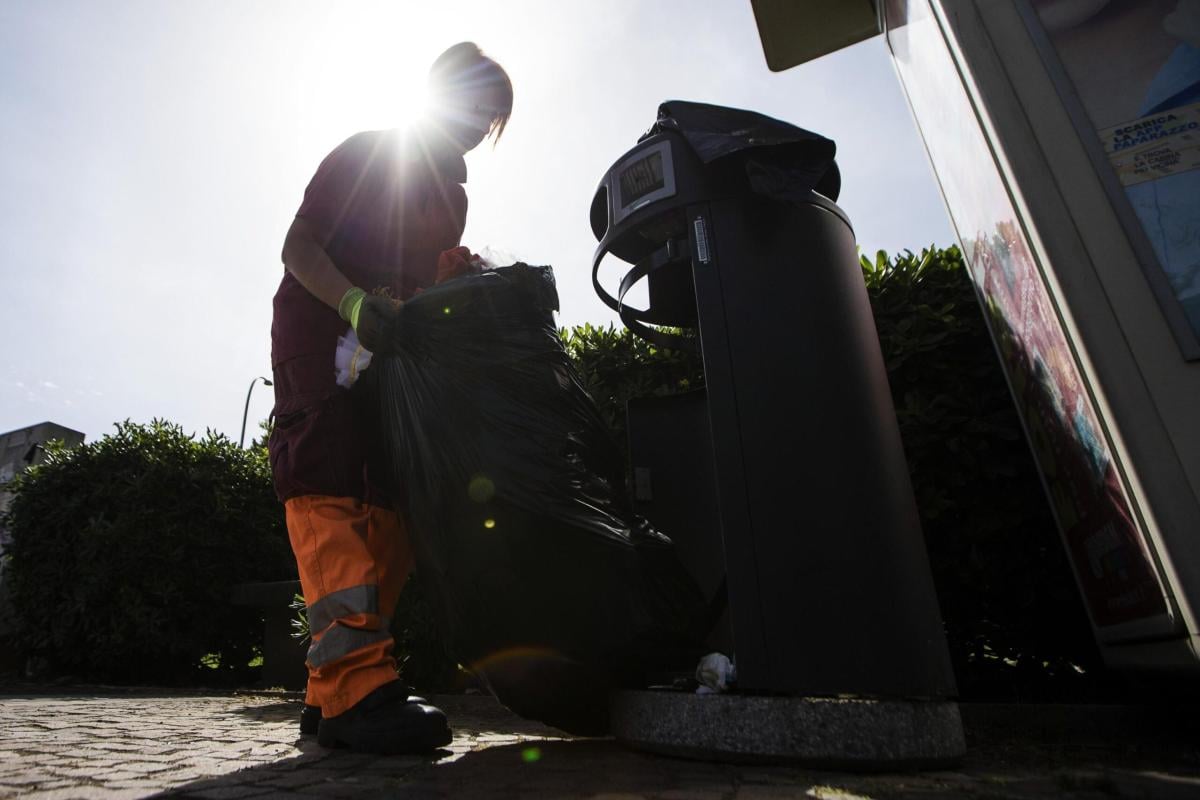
(310, 716)
(310, 719)
(385, 722)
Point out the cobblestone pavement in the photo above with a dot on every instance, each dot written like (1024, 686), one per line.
(142, 744)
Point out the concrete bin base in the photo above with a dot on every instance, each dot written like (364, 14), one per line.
(829, 733)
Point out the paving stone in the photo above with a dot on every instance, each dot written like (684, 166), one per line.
(63, 784)
(289, 780)
(395, 764)
(313, 774)
(714, 793)
(229, 792)
(122, 747)
(29, 779)
(146, 767)
(767, 792)
(86, 793)
(145, 786)
(333, 789)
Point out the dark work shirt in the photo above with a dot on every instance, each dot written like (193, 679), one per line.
(384, 206)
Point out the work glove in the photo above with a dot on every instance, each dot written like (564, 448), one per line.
(456, 262)
(373, 318)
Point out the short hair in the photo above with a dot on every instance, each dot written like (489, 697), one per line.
(464, 68)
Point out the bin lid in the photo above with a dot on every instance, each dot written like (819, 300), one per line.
(782, 161)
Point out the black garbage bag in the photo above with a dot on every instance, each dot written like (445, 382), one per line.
(781, 160)
(548, 586)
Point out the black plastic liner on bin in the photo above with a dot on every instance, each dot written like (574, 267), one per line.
(549, 588)
(781, 161)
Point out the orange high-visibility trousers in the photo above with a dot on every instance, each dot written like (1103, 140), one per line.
(354, 560)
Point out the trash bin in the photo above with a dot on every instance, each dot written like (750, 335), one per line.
(731, 218)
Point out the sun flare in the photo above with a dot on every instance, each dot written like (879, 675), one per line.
(366, 67)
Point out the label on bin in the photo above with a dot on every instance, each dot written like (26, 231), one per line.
(641, 178)
(701, 240)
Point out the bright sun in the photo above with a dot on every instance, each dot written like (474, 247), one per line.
(366, 67)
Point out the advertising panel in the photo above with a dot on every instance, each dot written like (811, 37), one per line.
(1112, 562)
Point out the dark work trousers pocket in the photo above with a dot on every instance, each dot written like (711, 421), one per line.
(316, 446)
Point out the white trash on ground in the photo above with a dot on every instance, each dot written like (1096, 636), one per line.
(715, 673)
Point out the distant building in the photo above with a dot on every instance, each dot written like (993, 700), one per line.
(24, 447)
(19, 450)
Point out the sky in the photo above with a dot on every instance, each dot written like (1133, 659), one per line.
(154, 153)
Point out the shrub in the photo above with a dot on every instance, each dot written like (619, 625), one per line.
(1014, 619)
(616, 366)
(124, 550)
(421, 650)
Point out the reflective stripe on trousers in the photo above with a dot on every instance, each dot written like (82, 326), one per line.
(328, 620)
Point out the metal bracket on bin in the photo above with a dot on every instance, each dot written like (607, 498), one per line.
(674, 251)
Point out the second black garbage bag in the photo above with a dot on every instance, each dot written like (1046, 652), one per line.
(548, 586)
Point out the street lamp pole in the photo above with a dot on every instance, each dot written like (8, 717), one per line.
(246, 412)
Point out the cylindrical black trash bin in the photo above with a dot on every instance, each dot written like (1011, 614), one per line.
(829, 586)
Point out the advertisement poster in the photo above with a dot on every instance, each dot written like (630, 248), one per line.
(1135, 65)
(1108, 551)
(1112, 562)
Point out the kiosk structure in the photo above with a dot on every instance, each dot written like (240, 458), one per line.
(1065, 137)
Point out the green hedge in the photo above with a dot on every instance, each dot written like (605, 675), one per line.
(616, 366)
(1014, 618)
(124, 550)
